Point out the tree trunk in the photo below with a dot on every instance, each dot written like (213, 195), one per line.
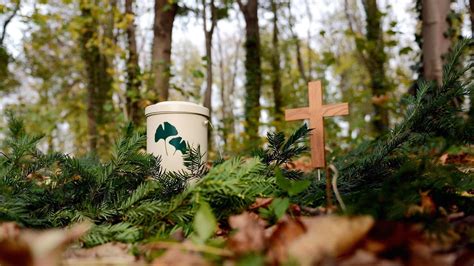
(7, 21)
(99, 80)
(133, 70)
(471, 96)
(299, 59)
(224, 99)
(435, 44)
(209, 76)
(253, 70)
(471, 12)
(375, 62)
(276, 69)
(165, 12)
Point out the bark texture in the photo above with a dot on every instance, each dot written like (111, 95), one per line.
(253, 70)
(471, 12)
(276, 69)
(435, 44)
(133, 70)
(99, 80)
(165, 13)
(375, 59)
(208, 34)
(296, 40)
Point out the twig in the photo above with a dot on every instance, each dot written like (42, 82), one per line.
(328, 189)
(334, 187)
(7, 21)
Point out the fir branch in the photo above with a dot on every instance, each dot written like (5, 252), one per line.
(430, 113)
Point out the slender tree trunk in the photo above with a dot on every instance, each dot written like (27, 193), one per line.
(299, 59)
(165, 12)
(375, 62)
(230, 121)
(276, 69)
(435, 44)
(99, 80)
(471, 96)
(208, 34)
(471, 12)
(7, 21)
(308, 45)
(133, 70)
(224, 99)
(253, 70)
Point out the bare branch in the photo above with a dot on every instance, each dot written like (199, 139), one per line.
(359, 53)
(242, 7)
(8, 20)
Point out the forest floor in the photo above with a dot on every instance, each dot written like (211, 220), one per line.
(303, 236)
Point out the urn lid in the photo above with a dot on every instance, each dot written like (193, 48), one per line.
(171, 107)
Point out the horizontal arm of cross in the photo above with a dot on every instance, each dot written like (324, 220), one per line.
(336, 109)
(327, 110)
(297, 114)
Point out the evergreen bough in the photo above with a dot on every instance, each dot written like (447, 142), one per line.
(127, 198)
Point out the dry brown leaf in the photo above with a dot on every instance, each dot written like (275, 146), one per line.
(380, 99)
(285, 232)
(328, 236)
(363, 257)
(177, 257)
(261, 203)
(427, 205)
(106, 254)
(38, 248)
(303, 164)
(461, 158)
(9, 230)
(250, 234)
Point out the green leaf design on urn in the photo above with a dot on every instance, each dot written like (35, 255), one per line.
(165, 131)
(179, 144)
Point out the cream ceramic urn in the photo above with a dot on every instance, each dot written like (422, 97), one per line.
(174, 126)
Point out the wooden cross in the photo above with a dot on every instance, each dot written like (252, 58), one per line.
(316, 113)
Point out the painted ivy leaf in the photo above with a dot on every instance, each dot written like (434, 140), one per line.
(164, 131)
(179, 144)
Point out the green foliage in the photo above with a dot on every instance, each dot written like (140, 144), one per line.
(280, 150)
(386, 171)
(429, 114)
(129, 197)
(204, 223)
(291, 187)
(275, 210)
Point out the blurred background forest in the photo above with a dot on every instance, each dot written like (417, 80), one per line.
(79, 70)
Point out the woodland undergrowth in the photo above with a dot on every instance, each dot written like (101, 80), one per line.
(131, 198)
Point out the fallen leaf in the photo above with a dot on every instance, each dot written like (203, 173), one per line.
(178, 257)
(303, 164)
(261, 203)
(38, 248)
(249, 235)
(106, 254)
(286, 230)
(9, 230)
(427, 205)
(328, 236)
(391, 240)
(363, 257)
(461, 158)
